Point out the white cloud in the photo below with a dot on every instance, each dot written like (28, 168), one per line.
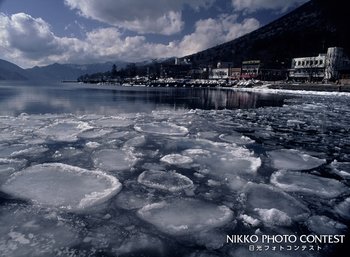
(211, 32)
(250, 6)
(32, 36)
(29, 41)
(145, 16)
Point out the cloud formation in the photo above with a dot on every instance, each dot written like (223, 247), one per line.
(250, 6)
(210, 32)
(29, 41)
(146, 16)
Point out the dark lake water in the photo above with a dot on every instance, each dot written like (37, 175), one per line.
(76, 98)
(136, 171)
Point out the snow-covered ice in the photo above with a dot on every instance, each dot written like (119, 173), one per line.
(290, 159)
(18, 150)
(169, 181)
(181, 216)
(273, 217)
(26, 232)
(64, 131)
(114, 159)
(343, 209)
(236, 138)
(224, 160)
(162, 128)
(63, 186)
(11, 165)
(342, 169)
(308, 184)
(176, 159)
(113, 122)
(94, 133)
(260, 197)
(323, 225)
(131, 200)
(185, 174)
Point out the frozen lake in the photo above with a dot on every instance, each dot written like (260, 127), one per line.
(91, 171)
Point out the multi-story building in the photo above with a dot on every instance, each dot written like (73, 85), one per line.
(219, 73)
(322, 67)
(225, 70)
(250, 69)
(308, 68)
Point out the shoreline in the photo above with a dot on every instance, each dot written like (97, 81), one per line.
(274, 87)
(312, 87)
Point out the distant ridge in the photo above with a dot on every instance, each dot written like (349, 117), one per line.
(306, 31)
(53, 72)
(60, 72)
(10, 71)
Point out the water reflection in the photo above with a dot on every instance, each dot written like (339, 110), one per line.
(83, 99)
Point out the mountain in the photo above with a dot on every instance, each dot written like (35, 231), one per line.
(53, 72)
(60, 72)
(10, 71)
(306, 31)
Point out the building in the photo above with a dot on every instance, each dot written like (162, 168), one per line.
(235, 73)
(182, 61)
(308, 68)
(225, 71)
(250, 69)
(328, 66)
(219, 73)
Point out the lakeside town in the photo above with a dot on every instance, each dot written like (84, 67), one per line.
(327, 70)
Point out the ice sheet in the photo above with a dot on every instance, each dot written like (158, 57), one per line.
(67, 131)
(273, 217)
(290, 159)
(114, 159)
(11, 165)
(343, 209)
(26, 232)
(323, 225)
(63, 186)
(162, 128)
(260, 196)
(341, 168)
(176, 159)
(169, 181)
(308, 184)
(236, 138)
(181, 216)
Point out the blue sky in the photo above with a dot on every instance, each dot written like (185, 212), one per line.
(41, 32)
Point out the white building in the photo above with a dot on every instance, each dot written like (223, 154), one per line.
(321, 67)
(219, 73)
(308, 67)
